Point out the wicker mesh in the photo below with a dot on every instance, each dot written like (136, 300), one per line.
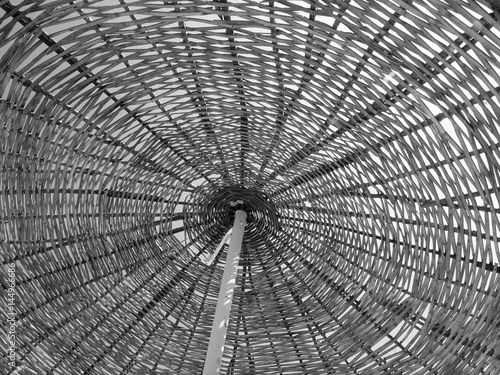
(361, 137)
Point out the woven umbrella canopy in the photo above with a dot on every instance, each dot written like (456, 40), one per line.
(361, 139)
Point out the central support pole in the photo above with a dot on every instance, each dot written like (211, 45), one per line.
(221, 319)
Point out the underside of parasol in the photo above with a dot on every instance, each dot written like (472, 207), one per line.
(361, 138)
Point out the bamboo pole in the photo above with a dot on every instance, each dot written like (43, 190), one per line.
(223, 309)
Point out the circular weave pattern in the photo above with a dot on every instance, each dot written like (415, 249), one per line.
(208, 216)
(361, 137)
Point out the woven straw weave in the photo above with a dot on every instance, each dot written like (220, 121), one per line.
(361, 138)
